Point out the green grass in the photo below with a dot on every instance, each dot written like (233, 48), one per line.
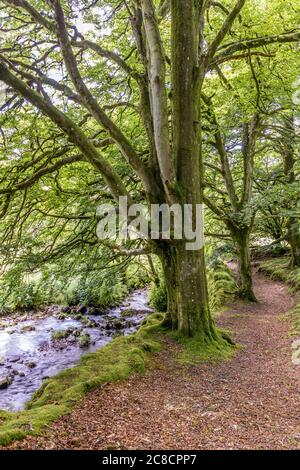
(60, 334)
(278, 268)
(84, 340)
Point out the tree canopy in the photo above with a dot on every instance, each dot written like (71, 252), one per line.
(162, 102)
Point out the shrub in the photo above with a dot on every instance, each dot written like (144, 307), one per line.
(158, 297)
(25, 296)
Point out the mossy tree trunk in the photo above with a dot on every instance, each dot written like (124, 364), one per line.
(287, 145)
(245, 282)
(186, 287)
(193, 315)
(294, 241)
(168, 261)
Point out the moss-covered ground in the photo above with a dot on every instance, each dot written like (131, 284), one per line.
(278, 268)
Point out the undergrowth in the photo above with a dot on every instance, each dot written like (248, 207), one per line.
(278, 268)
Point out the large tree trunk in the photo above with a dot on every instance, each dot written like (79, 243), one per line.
(168, 261)
(186, 286)
(193, 308)
(245, 284)
(288, 148)
(193, 313)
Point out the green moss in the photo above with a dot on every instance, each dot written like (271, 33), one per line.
(198, 349)
(294, 316)
(278, 268)
(158, 297)
(60, 334)
(84, 340)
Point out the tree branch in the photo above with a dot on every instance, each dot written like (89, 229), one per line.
(41, 172)
(225, 28)
(91, 104)
(158, 94)
(230, 49)
(70, 128)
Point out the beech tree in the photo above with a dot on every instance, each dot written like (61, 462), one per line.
(279, 187)
(161, 52)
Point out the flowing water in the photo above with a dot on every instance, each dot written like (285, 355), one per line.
(28, 354)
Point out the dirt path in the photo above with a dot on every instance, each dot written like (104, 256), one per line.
(250, 402)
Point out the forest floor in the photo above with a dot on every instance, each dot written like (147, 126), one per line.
(250, 402)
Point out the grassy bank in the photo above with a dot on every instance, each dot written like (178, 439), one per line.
(278, 268)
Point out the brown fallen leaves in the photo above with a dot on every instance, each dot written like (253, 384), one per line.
(251, 402)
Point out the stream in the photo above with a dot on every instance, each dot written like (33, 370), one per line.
(29, 354)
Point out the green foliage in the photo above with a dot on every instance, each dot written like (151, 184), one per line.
(136, 275)
(278, 268)
(25, 296)
(158, 297)
(96, 291)
(60, 284)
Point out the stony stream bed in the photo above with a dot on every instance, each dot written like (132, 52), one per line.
(31, 351)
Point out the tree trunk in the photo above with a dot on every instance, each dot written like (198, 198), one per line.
(168, 261)
(193, 308)
(193, 313)
(288, 147)
(186, 286)
(244, 265)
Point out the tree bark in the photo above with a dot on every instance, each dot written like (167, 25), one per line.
(168, 261)
(194, 316)
(294, 241)
(245, 284)
(186, 286)
(288, 149)
(192, 297)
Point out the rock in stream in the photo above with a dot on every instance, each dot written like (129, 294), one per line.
(28, 352)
